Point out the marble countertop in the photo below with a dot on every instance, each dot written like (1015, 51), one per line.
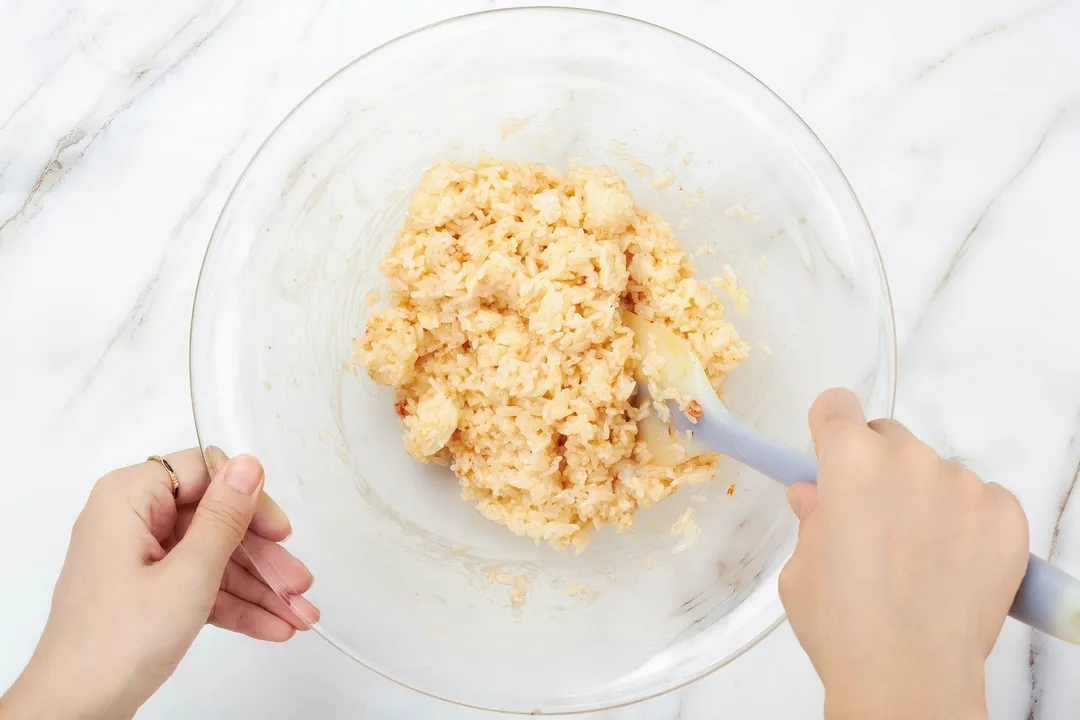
(123, 126)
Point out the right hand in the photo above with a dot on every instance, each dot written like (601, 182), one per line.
(904, 572)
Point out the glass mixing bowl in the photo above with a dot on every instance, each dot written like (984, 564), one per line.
(402, 563)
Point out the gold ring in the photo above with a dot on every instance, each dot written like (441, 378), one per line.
(172, 473)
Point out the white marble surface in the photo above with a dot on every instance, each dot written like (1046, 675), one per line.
(123, 125)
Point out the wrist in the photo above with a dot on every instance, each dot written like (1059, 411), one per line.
(889, 710)
(29, 699)
(903, 696)
(45, 690)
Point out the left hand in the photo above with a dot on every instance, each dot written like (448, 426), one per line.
(145, 572)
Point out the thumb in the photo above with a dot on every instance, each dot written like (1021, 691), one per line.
(803, 499)
(222, 517)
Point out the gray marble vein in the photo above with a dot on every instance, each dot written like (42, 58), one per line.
(999, 27)
(965, 246)
(49, 76)
(124, 124)
(956, 260)
(71, 148)
(144, 302)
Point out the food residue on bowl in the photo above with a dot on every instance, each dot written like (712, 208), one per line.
(694, 200)
(512, 125)
(729, 284)
(739, 210)
(688, 529)
(506, 347)
(620, 152)
(518, 584)
(587, 594)
(662, 180)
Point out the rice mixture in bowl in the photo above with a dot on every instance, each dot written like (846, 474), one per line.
(504, 342)
(500, 338)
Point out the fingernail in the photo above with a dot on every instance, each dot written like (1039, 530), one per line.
(215, 459)
(271, 513)
(793, 499)
(304, 609)
(244, 474)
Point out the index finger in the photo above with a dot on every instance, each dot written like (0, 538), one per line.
(191, 472)
(190, 465)
(834, 414)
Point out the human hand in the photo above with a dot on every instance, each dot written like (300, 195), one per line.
(145, 572)
(904, 572)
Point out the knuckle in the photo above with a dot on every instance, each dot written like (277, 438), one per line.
(784, 584)
(788, 583)
(213, 617)
(968, 477)
(806, 533)
(83, 526)
(266, 597)
(223, 515)
(250, 556)
(961, 475)
(850, 436)
(855, 455)
(228, 581)
(107, 486)
(246, 620)
(828, 404)
(107, 492)
(957, 468)
(922, 457)
(862, 450)
(1007, 509)
(885, 426)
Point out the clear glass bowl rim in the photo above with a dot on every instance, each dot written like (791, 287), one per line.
(524, 10)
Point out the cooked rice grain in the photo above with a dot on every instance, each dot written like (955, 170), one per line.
(504, 343)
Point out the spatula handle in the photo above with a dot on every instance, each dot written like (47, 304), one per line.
(744, 444)
(1048, 598)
